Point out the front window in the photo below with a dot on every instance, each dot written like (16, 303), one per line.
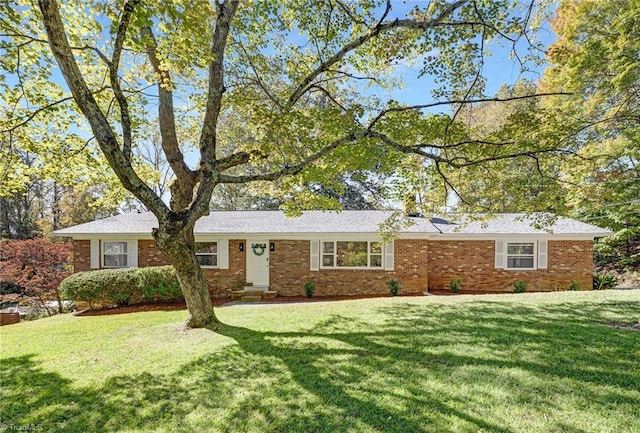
(114, 255)
(328, 254)
(520, 255)
(351, 254)
(375, 254)
(207, 254)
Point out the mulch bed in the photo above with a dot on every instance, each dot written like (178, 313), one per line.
(106, 311)
(217, 302)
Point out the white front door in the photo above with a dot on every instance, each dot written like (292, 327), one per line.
(258, 262)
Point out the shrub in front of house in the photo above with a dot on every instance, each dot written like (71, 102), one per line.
(604, 281)
(454, 284)
(309, 288)
(520, 287)
(159, 283)
(394, 287)
(123, 286)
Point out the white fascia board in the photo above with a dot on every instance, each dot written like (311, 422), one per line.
(112, 236)
(352, 236)
(290, 236)
(414, 236)
(510, 236)
(202, 237)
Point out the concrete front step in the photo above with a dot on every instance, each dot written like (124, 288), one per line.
(258, 294)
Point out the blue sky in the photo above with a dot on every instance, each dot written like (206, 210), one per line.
(499, 68)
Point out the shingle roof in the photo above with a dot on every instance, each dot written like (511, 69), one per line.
(364, 222)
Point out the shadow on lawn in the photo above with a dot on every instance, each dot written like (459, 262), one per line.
(333, 378)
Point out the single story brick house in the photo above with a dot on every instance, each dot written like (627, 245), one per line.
(343, 253)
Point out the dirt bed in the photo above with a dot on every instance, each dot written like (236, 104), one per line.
(218, 302)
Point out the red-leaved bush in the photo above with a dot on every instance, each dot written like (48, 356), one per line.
(37, 266)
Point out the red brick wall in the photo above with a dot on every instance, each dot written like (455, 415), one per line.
(289, 269)
(417, 262)
(81, 255)
(473, 261)
(222, 280)
(219, 280)
(150, 255)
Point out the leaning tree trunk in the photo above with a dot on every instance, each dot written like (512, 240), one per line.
(179, 249)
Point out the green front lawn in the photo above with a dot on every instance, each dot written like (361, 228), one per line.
(510, 363)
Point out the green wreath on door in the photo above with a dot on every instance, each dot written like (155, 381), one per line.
(258, 249)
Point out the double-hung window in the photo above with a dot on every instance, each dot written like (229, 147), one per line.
(520, 255)
(114, 254)
(207, 254)
(351, 254)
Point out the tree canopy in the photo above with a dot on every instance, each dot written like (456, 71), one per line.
(597, 59)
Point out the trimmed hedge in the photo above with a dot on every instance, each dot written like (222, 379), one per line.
(123, 286)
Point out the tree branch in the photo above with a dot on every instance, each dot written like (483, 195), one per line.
(329, 96)
(258, 80)
(100, 54)
(459, 161)
(237, 159)
(186, 178)
(125, 119)
(200, 204)
(386, 111)
(380, 28)
(34, 113)
(476, 77)
(296, 168)
(88, 105)
(449, 184)
(349, 13)
(226, 11)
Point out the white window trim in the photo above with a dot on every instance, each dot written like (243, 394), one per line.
(217, 254)
(102, 254)
(335, 255)
(507, 255)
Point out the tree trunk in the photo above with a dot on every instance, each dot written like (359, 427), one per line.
(44, 305)
(179, 249)
(60, 302)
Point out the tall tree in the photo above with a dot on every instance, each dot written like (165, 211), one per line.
(20, 205)
(527, 183)
(597, 59)
(269, 62)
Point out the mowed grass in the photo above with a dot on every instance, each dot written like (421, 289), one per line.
(510, 363)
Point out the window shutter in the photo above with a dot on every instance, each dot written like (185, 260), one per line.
(314, 264)
(500, 260)
(223, 254)
(132, 253)
(542, 255)
(95, 254)
(388, 256)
